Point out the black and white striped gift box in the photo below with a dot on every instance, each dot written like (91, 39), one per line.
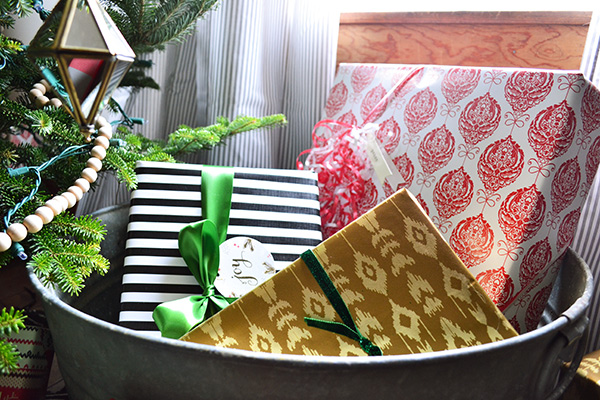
(279, 208)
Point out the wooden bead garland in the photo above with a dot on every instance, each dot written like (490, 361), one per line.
(17, 232)
(45, 213)
(5, 242)
(33, 223)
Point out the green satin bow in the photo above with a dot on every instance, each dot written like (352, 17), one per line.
(199, 246)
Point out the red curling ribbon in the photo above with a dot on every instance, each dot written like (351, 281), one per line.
(340, 169)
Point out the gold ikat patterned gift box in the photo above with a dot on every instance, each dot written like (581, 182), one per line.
(406, 289)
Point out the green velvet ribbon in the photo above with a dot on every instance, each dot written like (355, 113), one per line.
(199, 246)
(348, 327)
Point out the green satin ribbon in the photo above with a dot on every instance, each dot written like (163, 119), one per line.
(199, 246)
(348, 327)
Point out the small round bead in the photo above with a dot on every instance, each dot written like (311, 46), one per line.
(40, 87)
(70, 198)
(33, 223)
(100, 122)
(46, 85)
(55, 206)
(94, 164)
(55, 102)
(83, 184)
(99, 152)
(45, 213)
(105, 131)
(77, 192)
(41, 101)
(89, 175)
(64, 204)
(5, 242)
(102, 141)
(17, 232)
(35, 93)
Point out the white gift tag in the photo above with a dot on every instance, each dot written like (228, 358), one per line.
(376, 156)
(382, 163)
(244, 264)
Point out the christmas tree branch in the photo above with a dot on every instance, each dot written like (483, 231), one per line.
(10, 322)
(186, 139)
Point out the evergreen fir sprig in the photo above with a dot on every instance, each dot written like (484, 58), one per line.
(84, 228)
(10, 321)
(8, 154)
(9, 357)
(186, 139)
(66, 262)
(137, 78)
(150, 25)
(21, 8)
(17, 71)
(8, 49)
(121, 160)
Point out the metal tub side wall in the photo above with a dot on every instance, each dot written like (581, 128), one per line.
(100, 360)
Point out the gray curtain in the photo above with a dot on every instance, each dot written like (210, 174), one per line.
(587, 237)
(249, 57)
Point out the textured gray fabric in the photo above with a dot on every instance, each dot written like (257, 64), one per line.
(249, 57)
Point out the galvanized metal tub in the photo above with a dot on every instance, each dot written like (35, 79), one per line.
(101, 360)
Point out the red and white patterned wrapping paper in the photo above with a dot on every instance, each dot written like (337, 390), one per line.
(500, 159)
(30, 380)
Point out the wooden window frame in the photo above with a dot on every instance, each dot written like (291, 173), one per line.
(548, 39)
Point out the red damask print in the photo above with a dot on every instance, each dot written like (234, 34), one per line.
(497, 284)
(373, 97)
(453, 193)
(565, 185)
(515, 323)
(521, 214)
(458, 83)
(347, 118)
(422, 203)
(479, 119)
(592, 161)
(420, 110)
(472, 240)
(552, 131)
(500, 164)
(590, 109)
(526, 89)
(408, 85)
(536, 308)
(362, 76)
(369, 199)
(406, 168)
(388, 190)
(436, 149)
(534, 262)
(566, 230)
(338, 97)
(389, 134)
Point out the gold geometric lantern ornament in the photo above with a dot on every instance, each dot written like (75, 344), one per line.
(91, 53)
